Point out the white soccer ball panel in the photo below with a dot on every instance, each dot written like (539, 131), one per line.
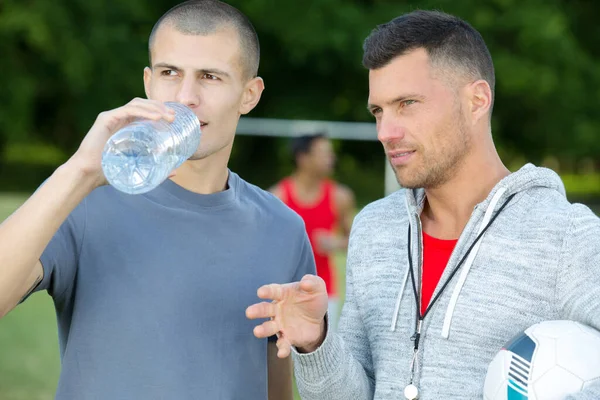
(587, 329)
(580, 354)
(544, 357)
(553, 329)
(556, 384)
(496, 377)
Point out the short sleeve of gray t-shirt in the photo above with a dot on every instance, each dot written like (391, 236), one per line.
(151, 290)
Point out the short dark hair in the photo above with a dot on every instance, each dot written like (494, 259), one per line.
(204, 17)
(448, 40)
(303, 144)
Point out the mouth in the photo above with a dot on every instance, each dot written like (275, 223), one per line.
(400, 157)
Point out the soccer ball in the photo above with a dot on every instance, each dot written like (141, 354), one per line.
(548, 361)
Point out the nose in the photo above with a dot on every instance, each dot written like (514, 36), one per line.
(389, 129)
(188, 93)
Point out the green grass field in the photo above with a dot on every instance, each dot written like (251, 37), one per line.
(29, 357)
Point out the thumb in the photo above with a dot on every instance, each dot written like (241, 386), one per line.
(310, 283)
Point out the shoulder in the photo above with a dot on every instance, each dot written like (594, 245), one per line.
(550, 207)
(584, 223)
(344, 197)
(268, 204)
(549, 215)
(384, 212)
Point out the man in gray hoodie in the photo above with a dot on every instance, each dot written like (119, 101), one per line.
(440, 274)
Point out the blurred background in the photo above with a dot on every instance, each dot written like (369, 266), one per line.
(65, 61)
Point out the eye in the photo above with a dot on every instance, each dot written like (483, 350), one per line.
(376, 111)
(210, 77)
(168, 72)
(408, 102)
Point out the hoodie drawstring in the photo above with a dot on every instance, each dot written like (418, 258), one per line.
(397, 309)
(401, 291)
(468, 263)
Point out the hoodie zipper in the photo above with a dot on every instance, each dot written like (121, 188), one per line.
(418, 354)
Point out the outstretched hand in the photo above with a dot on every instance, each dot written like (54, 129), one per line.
(296, 314)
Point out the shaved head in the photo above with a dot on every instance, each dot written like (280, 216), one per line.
(206, 17)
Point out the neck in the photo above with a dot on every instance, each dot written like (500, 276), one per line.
(449, 206)
(206, 176)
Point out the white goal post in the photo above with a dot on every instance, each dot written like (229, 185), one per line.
(332, 129)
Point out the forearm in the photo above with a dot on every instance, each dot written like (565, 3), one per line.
(331, 372)
(27, 232)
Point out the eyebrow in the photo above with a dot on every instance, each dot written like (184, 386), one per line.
(399, 99)
(212, 71)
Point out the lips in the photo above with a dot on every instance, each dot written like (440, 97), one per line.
(400, 153)
(400, 157)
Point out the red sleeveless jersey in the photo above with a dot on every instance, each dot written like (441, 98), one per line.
(318, 216)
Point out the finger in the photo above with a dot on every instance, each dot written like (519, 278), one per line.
(311, 283)
(261, 310)
(129, 113)
(266, 329)
(284, 348)
(156, 110)
(272, 292)
(152, 106)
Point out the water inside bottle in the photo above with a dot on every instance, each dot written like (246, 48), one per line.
(132, 167)
(140, 156)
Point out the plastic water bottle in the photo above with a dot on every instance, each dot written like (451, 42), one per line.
(140, 156)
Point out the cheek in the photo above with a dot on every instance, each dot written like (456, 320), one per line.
(222, 100)
(163, 90)
(445, 134)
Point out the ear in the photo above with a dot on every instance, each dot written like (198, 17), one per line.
(252, 92)
(480, 100)
(147, 81)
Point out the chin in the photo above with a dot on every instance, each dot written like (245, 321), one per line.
(407, 181)
(199, 155)
(203, 152)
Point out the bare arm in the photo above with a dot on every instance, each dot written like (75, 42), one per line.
(27, 232)
(346, 208)
(280, 375)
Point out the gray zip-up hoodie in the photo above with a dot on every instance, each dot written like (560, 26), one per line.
(539, 260)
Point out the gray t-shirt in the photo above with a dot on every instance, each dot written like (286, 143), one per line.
(151, 291)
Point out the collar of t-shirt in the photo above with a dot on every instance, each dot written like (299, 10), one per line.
(436, 253)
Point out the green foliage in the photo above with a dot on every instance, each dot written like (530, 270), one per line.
(33, 154)
(67, 61)
(582, 186)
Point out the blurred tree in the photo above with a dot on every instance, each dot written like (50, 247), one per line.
(67, 61)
